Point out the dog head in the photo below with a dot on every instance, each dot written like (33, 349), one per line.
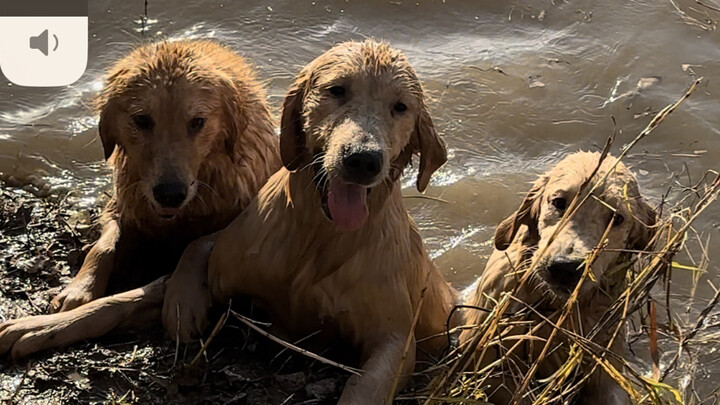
(355, 115)
(615, 210)
(164, 109)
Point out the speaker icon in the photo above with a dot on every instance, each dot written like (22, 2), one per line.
(30, 36)
(41, 42)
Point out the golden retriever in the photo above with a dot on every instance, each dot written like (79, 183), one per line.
(188, 131)
(615, 216)
(328, 244)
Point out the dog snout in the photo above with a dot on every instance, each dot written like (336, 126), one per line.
(363, 167)
(170, 195)
(566, 273)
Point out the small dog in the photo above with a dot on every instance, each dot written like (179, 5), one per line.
(616, 210)
(188, 131)
(328, 244)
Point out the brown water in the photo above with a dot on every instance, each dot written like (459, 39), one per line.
(564, 68)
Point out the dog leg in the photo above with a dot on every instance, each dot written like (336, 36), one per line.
(135, 308)
(91, 281)
(187, 298)
(380, 371)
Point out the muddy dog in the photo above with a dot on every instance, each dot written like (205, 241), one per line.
(187, 129)
(615, 216)
(328, 244)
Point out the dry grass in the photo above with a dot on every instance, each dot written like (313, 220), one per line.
(464, 375)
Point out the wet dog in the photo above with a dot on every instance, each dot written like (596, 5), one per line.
(615, 217)
(328, 244)
(187, 129)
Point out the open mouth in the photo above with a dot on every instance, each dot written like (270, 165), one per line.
(345, 204)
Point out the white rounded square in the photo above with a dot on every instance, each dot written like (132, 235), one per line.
(43, 51)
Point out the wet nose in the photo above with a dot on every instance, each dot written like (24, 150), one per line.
(566, 273)
(170, 195)
(363, 167)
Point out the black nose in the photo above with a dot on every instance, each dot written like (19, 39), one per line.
(170, 195)
(566, 273)
(363, 167)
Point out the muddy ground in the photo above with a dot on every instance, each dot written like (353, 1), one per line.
(42, 244)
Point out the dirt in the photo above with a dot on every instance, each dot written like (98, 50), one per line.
(42, 244)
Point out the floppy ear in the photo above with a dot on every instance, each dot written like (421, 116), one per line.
(527, 214)
(644, 228)
(107, 129)
(292, 134)
(106, 106)
(431, 148)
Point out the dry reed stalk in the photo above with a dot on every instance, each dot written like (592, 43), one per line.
(463, 379)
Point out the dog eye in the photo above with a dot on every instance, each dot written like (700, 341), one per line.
(399, 107)
(618, 220)
(337, 91)
(196, 124)
(559, 203)
(143, 122)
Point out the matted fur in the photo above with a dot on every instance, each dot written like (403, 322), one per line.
(224, 164)
(520, 237)
(231, 160)
(361, 286)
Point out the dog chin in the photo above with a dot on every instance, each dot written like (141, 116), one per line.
(562, 293)
(557, 292)
(554, 291)
(166, 214)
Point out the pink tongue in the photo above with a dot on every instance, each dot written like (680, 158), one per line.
(347, 204)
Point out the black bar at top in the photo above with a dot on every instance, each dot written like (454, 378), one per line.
(43, 8)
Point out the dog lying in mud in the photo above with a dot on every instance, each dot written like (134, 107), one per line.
(327, 244)
(615, 217)
(187, 129)
(188, 132)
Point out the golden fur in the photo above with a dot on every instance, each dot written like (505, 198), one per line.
(223, 164)
(518, 240)
(222, 161)
(363, 286)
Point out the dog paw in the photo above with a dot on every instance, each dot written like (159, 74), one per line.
(75, 294)
(185, 309)
(25, 336)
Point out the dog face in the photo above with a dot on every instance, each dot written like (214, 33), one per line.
(163, 111)
(355, 115)
(615, 218)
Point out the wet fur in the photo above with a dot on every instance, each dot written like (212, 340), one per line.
(363, 286)
(227, 161)
(225, 164)
(524, 233)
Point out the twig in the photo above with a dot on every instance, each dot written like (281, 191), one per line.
(427, 197)
(687, 337)
(250, 323)
(177, 334)
(409, 340)
(214, 332)
(18, 388)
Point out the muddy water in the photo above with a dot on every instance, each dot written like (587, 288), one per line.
(514, 85)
